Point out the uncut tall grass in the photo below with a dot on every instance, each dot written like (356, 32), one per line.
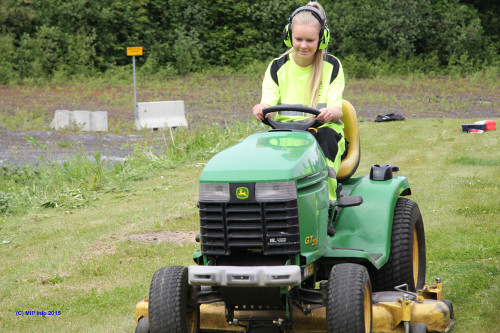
(79, 180)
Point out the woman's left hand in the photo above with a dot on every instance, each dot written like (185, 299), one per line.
(329, 114)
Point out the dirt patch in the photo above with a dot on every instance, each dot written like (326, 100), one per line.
(105, 245)
(178, 237)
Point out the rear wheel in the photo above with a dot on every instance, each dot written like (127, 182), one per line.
(169, 302)
(349, 300)
(406, 262)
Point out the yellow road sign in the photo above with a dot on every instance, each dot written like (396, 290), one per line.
(134, 51)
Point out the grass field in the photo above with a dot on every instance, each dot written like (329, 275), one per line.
(93, 262)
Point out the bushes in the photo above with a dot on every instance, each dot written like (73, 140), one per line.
(50, 50)
(409, 29)
(42, 37)
(7, 51)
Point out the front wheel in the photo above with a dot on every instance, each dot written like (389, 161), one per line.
(349, 300)
(142, 325)
(170, 309)
(419, 328)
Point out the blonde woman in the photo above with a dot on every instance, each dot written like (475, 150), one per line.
(307, 75)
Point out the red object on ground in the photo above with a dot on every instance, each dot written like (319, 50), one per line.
(476, 131)
(490, 124)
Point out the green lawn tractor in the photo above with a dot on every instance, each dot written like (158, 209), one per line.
(277, 256)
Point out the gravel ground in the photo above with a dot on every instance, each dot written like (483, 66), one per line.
(20, 148)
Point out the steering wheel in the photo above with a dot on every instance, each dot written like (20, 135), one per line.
(294, 125)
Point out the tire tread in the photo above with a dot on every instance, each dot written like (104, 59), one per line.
(167, 296)
(399, 268)
(346, 288)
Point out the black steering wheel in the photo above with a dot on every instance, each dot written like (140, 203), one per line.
(294, 125)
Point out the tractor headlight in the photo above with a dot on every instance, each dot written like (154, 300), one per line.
(275, 191)
(214, 192)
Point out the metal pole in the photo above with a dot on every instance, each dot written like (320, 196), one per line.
(135, 93)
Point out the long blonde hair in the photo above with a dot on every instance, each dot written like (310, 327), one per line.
(306, 18)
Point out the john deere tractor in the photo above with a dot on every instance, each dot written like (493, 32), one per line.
(277, 256)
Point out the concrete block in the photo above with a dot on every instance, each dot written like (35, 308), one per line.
(88, 121)
(160, 115)
(61, 120)
(91, 121)
(81, 119)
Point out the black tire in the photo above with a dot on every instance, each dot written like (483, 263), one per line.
(142, 325)
(349, 300)
(406, 262)
(169, 309)
(418, 328)
(450, 307)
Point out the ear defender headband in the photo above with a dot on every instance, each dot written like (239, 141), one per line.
(324, 32)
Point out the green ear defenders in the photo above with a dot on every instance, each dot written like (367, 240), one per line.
(324, 33)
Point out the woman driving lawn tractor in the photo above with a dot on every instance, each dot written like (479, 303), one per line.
(267, 261)
(307, 75)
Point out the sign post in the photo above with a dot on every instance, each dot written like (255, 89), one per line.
(132, 52)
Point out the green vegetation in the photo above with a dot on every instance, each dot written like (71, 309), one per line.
(70, 248)
(66, 229)
(78, 182)
(63, 38)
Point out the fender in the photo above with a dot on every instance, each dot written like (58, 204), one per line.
(363, 233)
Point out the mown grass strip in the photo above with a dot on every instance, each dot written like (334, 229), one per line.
(476, 161)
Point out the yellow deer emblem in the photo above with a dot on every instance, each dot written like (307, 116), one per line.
(242, 193)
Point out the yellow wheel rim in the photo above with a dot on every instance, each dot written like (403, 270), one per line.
(192, 316)
(415, 258)
(368, 310)
(191, 321)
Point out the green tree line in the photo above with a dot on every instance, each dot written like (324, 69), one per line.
(41, 37)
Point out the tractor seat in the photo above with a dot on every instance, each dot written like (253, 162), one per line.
(350, 163)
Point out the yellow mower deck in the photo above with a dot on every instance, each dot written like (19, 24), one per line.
(389, 311)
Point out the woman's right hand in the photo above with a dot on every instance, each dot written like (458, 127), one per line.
(257, 111)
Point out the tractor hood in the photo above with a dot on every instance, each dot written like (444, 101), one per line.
(267, 156)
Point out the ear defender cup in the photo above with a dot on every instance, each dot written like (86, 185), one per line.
(324, 33)
(324, 38)
(287, 38)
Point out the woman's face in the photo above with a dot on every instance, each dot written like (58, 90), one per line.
(305, 38)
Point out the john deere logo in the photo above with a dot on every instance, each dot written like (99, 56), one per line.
(242, 192)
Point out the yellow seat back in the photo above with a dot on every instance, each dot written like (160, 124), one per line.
(350, 163)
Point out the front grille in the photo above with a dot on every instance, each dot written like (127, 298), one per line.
(272, 227)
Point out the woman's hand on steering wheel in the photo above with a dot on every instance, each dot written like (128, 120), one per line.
(257, 111)
(328, 115)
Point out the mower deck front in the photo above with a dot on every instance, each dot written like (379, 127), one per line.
(393, 311)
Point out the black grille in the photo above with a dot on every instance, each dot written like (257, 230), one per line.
(272, 227)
